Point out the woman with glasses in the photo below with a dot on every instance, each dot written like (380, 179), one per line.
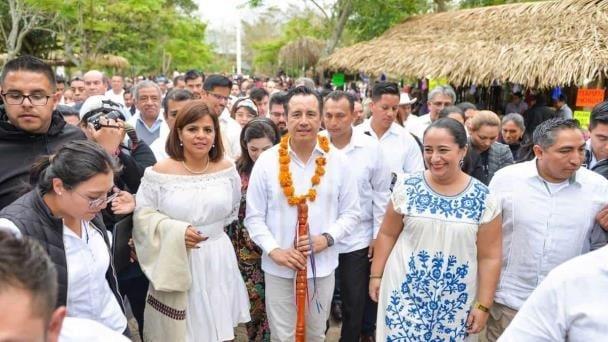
(243, 111)
(184, 203)
(62, 213)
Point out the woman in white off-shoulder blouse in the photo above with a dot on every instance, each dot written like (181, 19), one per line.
(183, 204)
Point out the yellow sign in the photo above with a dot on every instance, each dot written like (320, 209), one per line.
(434, 82)
(583, 118)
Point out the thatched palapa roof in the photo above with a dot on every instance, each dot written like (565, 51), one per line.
(303, 52)
(538, 44)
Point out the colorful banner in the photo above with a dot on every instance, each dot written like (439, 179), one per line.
(582, 117)
(337, 79)
(589, 97)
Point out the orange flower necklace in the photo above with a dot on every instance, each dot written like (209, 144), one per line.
(286, 180)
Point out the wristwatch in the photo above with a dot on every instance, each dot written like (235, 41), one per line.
(330, 239)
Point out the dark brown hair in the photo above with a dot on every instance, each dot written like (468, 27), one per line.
(255, 129)
(192, 112)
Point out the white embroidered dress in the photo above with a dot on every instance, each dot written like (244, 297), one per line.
(217, 300)
(430, 278)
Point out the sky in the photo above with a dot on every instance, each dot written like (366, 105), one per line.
(222, 13)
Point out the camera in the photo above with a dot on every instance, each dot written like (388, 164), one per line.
(95, 119)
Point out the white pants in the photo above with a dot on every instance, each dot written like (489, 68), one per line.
(281, 308)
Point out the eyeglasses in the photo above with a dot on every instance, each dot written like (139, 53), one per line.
(218, 96)
(439, 104)
(15, 98)
(100, 201)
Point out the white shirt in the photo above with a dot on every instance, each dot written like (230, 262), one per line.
(158, 146)
(118, 98)
(272, 222)
(231, 135)
(79, 329)
(569, 305)
(373, 177)
(401, 151)
(412, 123)
(541, 229)
(423, 122)
(87, 258)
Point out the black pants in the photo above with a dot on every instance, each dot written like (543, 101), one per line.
(136, 290)
(353, 276)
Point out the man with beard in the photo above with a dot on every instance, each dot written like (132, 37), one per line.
(277, 111)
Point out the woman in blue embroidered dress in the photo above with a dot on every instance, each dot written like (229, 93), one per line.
(438, 253)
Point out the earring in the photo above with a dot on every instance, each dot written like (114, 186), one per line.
(461, 163)
(213, 146)
(181, 143)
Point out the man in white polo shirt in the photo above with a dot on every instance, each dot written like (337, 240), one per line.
(401, 151)
(365, 156)
(549, 207)
(305, 166)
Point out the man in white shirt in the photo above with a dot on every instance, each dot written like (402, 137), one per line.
(216, 91)
(439, 98)
(373, 178)
(549, 207)
(569, 305)
(116, 92)
(333, 212)
(148, 121)
(173, 102)
(401, 151)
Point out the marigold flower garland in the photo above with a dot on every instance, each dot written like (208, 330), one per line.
(286, 180)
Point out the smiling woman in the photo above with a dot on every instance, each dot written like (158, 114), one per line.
(448, 226)
(185, 201)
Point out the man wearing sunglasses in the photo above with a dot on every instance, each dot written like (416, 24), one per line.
(29, 124)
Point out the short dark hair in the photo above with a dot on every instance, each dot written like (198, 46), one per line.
(454, 128)
(178, 78)
(176, 95)
(562, 98)
(599, 115)
(59, 79)
(192, 75)
(258, 94)
(277, 98)
(302, 91)
(215, 81)
(28, 63)
(74, 163)
(466, 106)
(193, 111)
(255, 129)
(25, 265)
(76, 79)
(384, 88)
(338, 95)
(443, 113)
(545, 134)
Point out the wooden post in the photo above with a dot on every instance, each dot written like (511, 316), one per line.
(301, 278)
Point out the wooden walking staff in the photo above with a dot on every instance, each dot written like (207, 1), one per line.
(301, 278)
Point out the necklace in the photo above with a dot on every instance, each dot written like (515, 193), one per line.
(196, 172)
(285, 178)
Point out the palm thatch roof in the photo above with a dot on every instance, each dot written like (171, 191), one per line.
(303, 52)
(538, 44)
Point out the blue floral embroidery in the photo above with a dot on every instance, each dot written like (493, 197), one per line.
(426, 306)
(471, 204)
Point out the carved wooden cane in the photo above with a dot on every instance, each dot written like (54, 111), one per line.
(301, 279)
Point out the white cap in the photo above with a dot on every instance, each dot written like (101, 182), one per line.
(404, 99)
(99, 101)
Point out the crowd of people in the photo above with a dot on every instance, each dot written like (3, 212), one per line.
(184, 197)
